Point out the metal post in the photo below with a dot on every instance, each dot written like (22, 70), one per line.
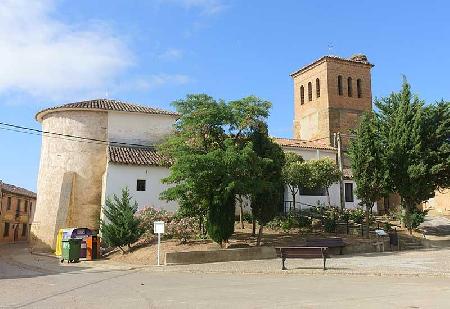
(341, 168)
(159, 242)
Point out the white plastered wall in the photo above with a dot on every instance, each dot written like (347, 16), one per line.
(119, 176)
(137, 128)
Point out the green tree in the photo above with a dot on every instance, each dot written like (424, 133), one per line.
(415, 141)
(213, 157)
(294, 173)
(324, 173)
(268, 191)
(122, 226)
(366, 156)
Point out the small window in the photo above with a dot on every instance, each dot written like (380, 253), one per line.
(339, 85)
(8, 203)
(18, 205)
(31, 207)
(349, 192)
(6, 229)
(317, 88)
(349, 87)
(309, 91)
(358, 88)
(140, 185)
(24, 229)
(302, 94)
(26, 206)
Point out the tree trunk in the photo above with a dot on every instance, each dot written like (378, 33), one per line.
(258, 240)
(367, 220)
(328, 198)
(253, 226)
(241, 216)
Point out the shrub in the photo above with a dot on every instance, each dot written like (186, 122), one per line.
(329, 219)
(248, 217)
(182, 228)
(148, 215)
(357, 215)
(276, 223)
(122, 227)
(413, 219)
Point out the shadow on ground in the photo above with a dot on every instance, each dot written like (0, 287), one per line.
(16, 261)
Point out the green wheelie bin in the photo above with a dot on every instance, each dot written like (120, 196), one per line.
(71, 250)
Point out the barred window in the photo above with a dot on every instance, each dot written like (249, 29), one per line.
(339, 82)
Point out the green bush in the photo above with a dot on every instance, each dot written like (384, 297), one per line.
(122, 227)
(248, 217)
(413, 219)
(357, 215)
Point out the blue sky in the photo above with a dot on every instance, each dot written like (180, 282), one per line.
(154, 52)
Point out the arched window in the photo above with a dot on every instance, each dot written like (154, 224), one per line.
(309, 91)
(340, 85)
(302, 94)
(358, 88)
(349, 87)
(317, 88)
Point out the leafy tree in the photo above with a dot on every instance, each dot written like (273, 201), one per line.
(416, 150)
(122, 226)
(213, 157)
(293, 172)
(365, 152)
(268, 192)
(324, 173)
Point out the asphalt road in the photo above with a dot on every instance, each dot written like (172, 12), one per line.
(30, 281)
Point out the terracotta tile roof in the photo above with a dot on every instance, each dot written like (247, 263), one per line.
(136, 156)
(106, 105)
(16, 190)
(330, 57)
(298, 143)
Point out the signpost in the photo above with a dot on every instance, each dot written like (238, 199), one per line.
(158, 228)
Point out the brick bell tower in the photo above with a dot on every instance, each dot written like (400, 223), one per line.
(330, 95)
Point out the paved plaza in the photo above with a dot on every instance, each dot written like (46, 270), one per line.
(250, 284)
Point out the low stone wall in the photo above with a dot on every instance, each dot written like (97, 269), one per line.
(225, 255)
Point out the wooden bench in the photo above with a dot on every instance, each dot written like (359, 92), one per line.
(302, 253)
(335, 242)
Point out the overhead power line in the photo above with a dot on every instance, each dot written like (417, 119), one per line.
(76, 138)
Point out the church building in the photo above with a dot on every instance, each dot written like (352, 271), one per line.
(93, 149)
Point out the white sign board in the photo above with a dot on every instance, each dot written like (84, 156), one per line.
(158, 227)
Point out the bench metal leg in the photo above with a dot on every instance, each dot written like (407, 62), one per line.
(324, 261)
(282, 263)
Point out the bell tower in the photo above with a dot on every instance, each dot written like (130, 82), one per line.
(330, 95)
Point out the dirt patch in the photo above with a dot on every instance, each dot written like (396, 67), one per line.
(146, 253)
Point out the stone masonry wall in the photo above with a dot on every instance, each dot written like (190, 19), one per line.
(70, 174)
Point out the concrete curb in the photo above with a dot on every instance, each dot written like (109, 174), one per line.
(225, 255)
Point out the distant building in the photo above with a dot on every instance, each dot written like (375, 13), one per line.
(17, 207)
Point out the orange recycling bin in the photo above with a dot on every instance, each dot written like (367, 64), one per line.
(92, 247)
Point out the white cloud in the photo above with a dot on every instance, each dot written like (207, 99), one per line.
(150, 82)
(207, 7)
(49, 59)
(171, 54)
